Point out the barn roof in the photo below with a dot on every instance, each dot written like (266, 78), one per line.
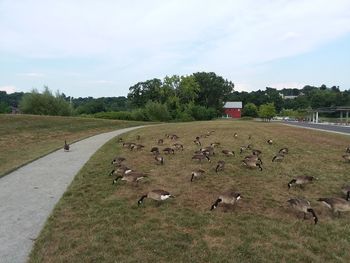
(233, 104)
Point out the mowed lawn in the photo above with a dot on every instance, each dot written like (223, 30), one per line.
(97, 221)
(24, 138)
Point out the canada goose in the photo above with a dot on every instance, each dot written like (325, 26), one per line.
(131, 177)
(252, 164)
(196, 173)
(159, 159)
(197, 141)
(346, 190)
(304, 206)
(336, 204)
(178, 146)
(200, 157)
(228, 197)
(136, 147)
(123, 169)
(256, 152)
(118, 160)
(215, 144)
(160, 142)
(174, 137)
(235, 135)
(283, 151)
(245, 147)
(138, 137)
(207, 151)
(346, 157)
(168, 150)
(347, 150)
(228, 153)
(278, 157)
(128, 144)
(269, 141)
(301, 180)
(220, 166)
(120, 140)
(249, 136)
(155, 150)
(157, 194)
(253, 158)
(66, 146)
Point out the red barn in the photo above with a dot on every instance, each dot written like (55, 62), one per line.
(232, 109)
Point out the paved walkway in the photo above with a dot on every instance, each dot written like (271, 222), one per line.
(321, 127)
(29, 194)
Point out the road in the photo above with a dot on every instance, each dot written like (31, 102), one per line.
(322, 127)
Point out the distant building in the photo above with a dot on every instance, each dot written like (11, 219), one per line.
(233, 109)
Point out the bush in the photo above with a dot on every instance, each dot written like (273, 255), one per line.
(156, 111)
(45, 103)
(139, 115)
(114, 115)
(250, 109)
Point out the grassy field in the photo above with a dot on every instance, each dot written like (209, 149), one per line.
(97, 221)
(24, 138)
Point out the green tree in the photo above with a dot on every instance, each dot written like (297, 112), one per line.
(250, 109)
(142, 92)
(156, 111)
(188, 89)
(214, 90)
(267, 111)
(45, 103)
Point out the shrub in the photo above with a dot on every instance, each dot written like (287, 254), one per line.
(45, 103)
(114, 115)
(156, 111)
(250, 109)
(139, 115)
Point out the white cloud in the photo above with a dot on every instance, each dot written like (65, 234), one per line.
(8, 89)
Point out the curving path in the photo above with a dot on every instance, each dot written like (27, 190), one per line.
(29, 194)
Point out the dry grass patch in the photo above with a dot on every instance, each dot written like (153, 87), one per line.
(98, 221)
(24, 138)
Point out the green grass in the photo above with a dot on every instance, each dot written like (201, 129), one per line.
(96, 221)
(24, 138)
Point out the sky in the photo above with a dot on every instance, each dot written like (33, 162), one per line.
(100, 48)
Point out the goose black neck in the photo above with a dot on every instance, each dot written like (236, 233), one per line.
(141, 199)
(310, 210)
(215, 204)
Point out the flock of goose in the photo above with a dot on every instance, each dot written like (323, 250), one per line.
(252, 161)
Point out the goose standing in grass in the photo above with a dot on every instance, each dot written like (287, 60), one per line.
(197, 141)
(228, 152)
(346, 157)
(155, 150)
(337, 205)
(301, 180)
(128, 144)
(160, 142)
(269, 141)
(118, 160)
(200, 157)
(131, 177)
(120, 140)
(278, 157)
(228, 198)
(235, 135)
(347, 150)
(252, 164)
(304, 206)
(168, 150)
(283, 150)
(137, 147)
(215, 144)
(178, 146)
(220, 166)
(197, 173)
(207, 151)
(253, 158)
(159, 159)
(122, 169)
(256, 152)
(346, 190)
(157, 195)
(66, 146)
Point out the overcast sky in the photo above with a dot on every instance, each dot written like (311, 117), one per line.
(102, 47)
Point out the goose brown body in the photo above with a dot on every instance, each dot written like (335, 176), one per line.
(301, 180)
(337, 205)
(304, 206)
(229, 197)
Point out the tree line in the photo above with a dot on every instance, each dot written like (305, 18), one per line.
(199, 96)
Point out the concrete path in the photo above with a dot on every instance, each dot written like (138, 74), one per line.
(321, 127)
(29, 194)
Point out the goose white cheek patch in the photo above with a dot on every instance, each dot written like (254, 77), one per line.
(163, 197)
(238, 197)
